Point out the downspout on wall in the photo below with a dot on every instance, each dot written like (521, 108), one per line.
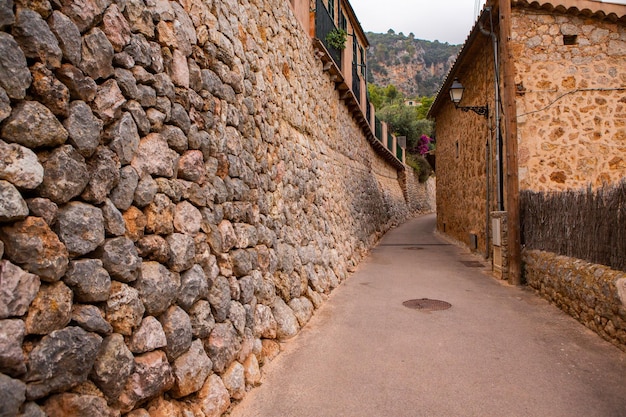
(499, 186)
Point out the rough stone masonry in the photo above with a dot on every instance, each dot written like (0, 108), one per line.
(180, 188)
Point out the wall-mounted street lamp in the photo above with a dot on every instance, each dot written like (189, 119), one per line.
(456, 94)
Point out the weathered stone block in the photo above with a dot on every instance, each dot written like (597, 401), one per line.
(12, 205)
(177, 328)
(50, 91)
(151, 377)
(122, 194)
(74, 405)
(15, 77)
(202, 321)
(222, 346)
(104, 174)
(91, 319)
(191, 370)
(80, 227)
(36, 38)
(213, 399)
(302, 309)
(116, 27)
(89, 280)
(12, 395)
(12, 360)
(157, 286)
(194, 286)
(107, 104)
(153, 248)
(153, 156)
(120, 258)
(31, 244)
(124, 138)
(81, 86)
(265, 325)
(84, 13)
(182, 251)
(252, 372)
(145, 192)
(135, 223)
(235, 381)
(124, 309)
(219, 297)
(287, 323)
(33, 125)
(65, 175)
(113, 365)
(60, 361)
(149, 336)
(7, 17)
(50, 310)
(83, 128)
(67, 34)
(113, 221)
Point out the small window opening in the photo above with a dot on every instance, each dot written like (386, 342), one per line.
(457, 148)
(569, 39)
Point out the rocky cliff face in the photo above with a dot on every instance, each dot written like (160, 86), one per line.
(416, 67)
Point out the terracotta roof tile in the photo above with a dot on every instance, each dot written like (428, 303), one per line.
(601, 9)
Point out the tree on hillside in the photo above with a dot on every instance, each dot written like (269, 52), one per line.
(403, 120)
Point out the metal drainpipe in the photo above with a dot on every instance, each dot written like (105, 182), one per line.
(496, 68)
(494, 41)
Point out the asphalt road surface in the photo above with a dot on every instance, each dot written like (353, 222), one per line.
(497, 351)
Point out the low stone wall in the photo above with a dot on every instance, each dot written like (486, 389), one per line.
(593, 294)
(181, 187)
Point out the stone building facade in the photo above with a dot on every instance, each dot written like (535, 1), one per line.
(465, 142)
(563, 152)
(181, 186)
(571, 106)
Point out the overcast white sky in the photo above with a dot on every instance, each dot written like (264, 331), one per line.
(443, 20)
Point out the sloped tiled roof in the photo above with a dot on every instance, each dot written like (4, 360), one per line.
(590, 8)
(600, 9)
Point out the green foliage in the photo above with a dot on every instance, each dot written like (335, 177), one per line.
(337, 38)
(402, 120)
(376, 95)
(420, 165)
(422, 110)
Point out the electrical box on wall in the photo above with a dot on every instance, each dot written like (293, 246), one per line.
(473, 240)
(496, 234)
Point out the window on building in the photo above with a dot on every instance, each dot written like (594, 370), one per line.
(331, 9)
(343, 22)
(570, 39)
(362, 52)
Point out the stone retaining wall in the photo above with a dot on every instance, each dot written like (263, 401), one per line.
(181, 187)
(593, 294)
(421, 197)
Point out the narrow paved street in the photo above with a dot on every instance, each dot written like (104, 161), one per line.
(498, 351)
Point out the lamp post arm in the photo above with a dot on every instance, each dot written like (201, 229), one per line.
(480, 110)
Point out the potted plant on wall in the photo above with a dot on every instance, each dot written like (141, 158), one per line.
(336, 38)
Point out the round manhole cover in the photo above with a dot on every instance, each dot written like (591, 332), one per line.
(427, 304)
